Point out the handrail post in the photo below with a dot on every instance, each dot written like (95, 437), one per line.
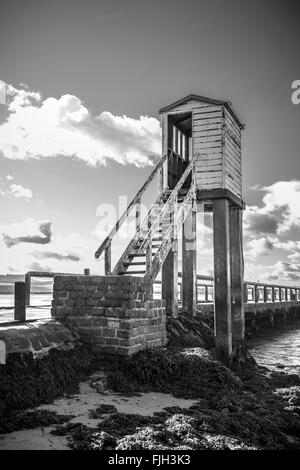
(107, 261)
(20, 301)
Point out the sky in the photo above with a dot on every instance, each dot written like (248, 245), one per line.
(79, 124)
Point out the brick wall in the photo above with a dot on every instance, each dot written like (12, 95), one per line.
(114, 314)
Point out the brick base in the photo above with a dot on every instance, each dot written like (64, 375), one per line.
(113, 314)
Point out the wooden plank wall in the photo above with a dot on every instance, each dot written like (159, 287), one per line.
(217, 142)
(232, 155)
(208, 144)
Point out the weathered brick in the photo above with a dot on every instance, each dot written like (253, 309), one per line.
(112, 341)
(99, 321)
(110, 332)
(124, 334)
(78, 287)
(111, 312)
(74, 295)
(98, 340)
(113, 323)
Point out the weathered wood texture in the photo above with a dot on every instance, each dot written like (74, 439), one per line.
(169, 276)
(237, 275)
(216, 140)
(222, 279)
(208, 146)
(189, 257)
(232, 155)
(20, 301)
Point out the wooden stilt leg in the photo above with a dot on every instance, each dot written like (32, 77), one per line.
(169, 280)
(189, 280)
(237, 276)
(222, 279)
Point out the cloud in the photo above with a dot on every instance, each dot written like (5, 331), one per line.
(56, 255)
(285, 271)
(18, 191)
(37, 128)
(258, 247)
(29, 231)
(9, 177)
(35, 266)
(280, 211)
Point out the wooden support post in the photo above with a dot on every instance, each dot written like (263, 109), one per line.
(222, 279)
(169, 279)
(237, 275)
(27, 288)
(189, 255)
(20, 301)
(107, 260)
(169, 273)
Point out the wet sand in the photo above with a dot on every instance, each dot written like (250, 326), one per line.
(80, 405)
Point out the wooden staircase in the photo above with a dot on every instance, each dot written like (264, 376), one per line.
(154, 237)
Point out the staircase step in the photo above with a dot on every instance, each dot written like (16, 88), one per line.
(132, 272)
(132, 255)
(134, 263)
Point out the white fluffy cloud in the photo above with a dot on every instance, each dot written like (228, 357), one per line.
(18, 191)
(25, 247)
(28, 231)
(280, 210)
(258, 247)
(37, 128)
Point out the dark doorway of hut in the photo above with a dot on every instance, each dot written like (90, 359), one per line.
(179, 147)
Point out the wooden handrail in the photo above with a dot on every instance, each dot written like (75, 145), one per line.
(125, 214)
(171, 200)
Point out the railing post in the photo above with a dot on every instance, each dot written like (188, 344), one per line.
(256, 294)
(265, 294)
(206, 294)
(27, 288)
(20, 301)
(107, 260)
